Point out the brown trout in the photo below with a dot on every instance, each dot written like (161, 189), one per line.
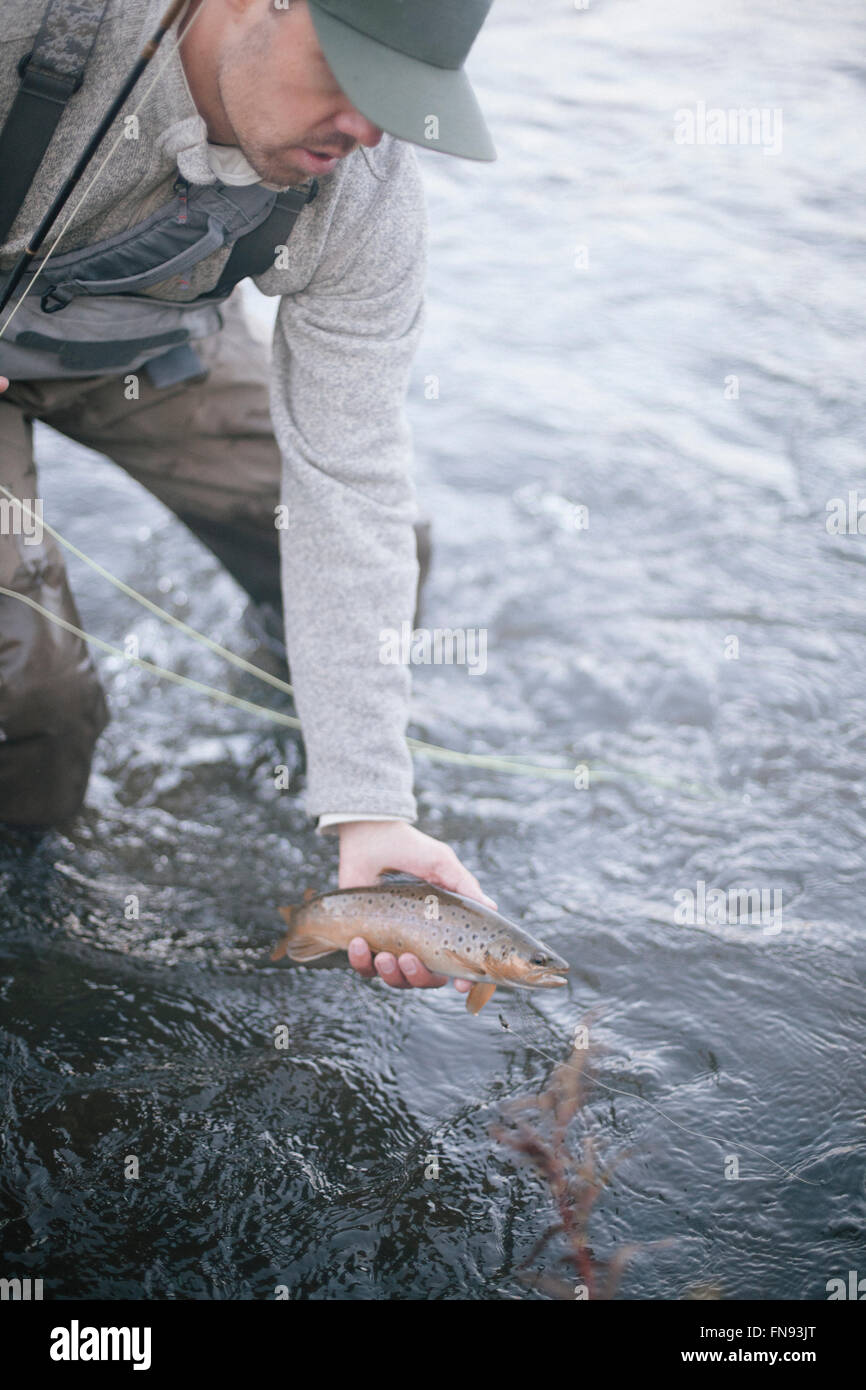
(451, 934)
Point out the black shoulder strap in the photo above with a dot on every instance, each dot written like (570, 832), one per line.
(50, 73)
(254, 252)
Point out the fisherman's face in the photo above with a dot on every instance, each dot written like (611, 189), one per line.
(275, 96)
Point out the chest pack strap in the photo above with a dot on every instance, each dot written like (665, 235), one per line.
(255, 252)
(50, 74)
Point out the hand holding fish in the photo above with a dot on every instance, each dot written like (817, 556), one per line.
(369, 848)
(423, 931)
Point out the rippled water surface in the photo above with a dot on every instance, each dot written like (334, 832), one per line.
(703, 638)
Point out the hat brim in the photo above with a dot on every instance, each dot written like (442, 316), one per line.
(432, 107)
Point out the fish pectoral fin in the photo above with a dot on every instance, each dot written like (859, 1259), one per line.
(478, 996)
(304, 949)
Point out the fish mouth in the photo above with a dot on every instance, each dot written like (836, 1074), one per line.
(536, 977)
(543, 980)
(547, 979)
(550, 974)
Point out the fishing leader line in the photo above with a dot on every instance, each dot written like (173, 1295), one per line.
(632, 1095)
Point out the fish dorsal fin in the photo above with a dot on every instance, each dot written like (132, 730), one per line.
(478, 996)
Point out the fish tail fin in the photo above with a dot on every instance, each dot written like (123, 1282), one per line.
(301, 946)
(280, 950)
(478, 996)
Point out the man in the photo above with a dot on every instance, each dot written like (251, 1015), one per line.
(116, 347)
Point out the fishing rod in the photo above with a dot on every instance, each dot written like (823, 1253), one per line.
(30, 252)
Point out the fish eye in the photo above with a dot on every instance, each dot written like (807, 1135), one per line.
(540, 960)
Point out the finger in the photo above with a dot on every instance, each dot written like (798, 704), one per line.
(464, 986)
(457, 879)
(388, 970)
(361, 958)
(417, 973)
(4, 383)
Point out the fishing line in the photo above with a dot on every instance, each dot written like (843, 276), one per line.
(428, 749)
(152, 607)
(516, 765)
(433, 751)
(631, 1095)
(223, 695)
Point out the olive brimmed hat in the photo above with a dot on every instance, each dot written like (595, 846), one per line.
(400, 62)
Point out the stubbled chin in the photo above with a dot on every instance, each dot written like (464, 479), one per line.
(282, 178)
(279, 173)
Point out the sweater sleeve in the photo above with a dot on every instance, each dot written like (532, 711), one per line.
(343, 348)
(330, 824)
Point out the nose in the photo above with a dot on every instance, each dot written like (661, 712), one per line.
(350, 122)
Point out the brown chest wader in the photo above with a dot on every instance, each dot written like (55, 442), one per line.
(196, 396)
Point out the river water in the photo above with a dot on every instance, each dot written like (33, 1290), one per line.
(667, 335)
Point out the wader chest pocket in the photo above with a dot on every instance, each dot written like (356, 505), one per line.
(157, 245)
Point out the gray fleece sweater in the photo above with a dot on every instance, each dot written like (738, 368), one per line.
(347, 326)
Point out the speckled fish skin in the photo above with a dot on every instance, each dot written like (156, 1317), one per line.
(451, 934)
